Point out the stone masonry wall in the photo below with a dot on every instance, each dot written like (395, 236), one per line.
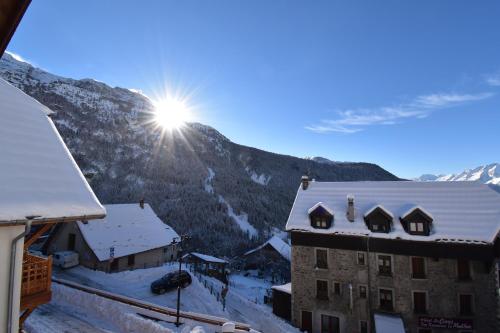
(441, 285)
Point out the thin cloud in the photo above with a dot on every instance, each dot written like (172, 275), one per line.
(493, 79)
(355, 120)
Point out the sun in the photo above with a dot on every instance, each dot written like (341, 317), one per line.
(171, 113)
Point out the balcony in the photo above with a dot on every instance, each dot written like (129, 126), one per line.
(36, 281)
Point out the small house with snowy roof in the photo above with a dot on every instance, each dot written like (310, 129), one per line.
(207, 264)
(420, 255)
(130, 237)
(270, 258)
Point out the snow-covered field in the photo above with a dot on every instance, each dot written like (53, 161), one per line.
(241, 304)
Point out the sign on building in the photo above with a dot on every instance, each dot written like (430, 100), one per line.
(449, 323)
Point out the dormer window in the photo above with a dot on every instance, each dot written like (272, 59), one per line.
(417, 221)
(416, 226)
(378, 219)
(321, 217)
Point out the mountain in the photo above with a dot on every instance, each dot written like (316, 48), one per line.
(487, 174)
(228, 197)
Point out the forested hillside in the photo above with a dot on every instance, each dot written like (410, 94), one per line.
(225, 195)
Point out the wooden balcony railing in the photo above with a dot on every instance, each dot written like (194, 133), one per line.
(36, 281)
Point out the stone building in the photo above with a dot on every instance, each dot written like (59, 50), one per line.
(130, 237)
(419, 257)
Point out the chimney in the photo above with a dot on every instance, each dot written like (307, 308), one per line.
(350, 207)
(141, 203)
(305, 182)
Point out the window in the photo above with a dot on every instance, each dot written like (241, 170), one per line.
(114, 265)
(417, 227)
(330, 324)
(321, 289)
(362, 292)
(363, 326)
(384, 265)
(131, 260)
(321, 258)
(336, 288)
(419, 302)
(463, 269)
(320, 222)
(385, 299)
(465, 303)
(418, 268)
(380, 227)
(361, 258)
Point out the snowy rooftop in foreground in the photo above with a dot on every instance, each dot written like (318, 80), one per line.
(129, 229)
(278, 244)
(38, 176)
(462, 211)
(207, 258)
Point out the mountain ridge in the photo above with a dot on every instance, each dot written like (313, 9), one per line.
(487, 174)
(227, 196)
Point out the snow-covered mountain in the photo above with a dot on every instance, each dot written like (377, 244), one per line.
(487, 174)
(224, 195)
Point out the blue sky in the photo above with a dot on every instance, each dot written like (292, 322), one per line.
(413, 86)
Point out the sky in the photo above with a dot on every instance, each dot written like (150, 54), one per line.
(413, 86)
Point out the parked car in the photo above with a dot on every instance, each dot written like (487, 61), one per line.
(171, 281)
(65, 259)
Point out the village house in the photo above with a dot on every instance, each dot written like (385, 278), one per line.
(130, 237)
(419, 257)
(41, 185)
(271, 258)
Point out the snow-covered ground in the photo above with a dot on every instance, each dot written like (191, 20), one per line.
(76, 311)
(241, 299)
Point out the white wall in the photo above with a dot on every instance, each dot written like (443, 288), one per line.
(6, 236)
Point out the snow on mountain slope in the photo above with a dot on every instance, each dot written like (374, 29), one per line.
(486, 174)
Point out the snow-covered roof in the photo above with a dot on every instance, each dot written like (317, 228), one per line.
(369, 211)
(385, 323)
(286, 288)
(129, 229)
(278, 244)
(38, 176)
(461, 211)
(411, 210)
(207, 258)
(322, 205)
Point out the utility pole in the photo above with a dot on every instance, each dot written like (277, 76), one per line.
(179, 255)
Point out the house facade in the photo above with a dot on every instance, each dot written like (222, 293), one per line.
(130, 237)
(420, 255)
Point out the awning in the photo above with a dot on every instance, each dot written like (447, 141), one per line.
(386, 323)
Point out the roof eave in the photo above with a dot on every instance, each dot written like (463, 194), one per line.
(49, 220)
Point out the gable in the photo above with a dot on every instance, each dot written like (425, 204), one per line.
(378, 219)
